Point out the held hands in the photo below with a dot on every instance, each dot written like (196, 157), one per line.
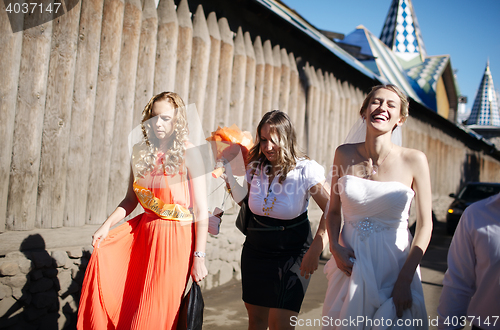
(401, 296)
(344, 258)
(198, 270)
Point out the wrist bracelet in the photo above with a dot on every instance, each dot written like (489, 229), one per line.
(199, 254)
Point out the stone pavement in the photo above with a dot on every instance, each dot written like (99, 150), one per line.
(224, 309)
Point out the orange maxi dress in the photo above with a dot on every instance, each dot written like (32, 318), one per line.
(137, 275)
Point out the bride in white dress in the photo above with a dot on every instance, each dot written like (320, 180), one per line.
(373, 275)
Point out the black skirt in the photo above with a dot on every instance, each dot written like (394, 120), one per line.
(271, 259)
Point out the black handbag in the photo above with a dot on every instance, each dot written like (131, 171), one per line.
(243, 216)
(191, 310)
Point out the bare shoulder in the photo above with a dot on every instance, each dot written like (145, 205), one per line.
(414, 159)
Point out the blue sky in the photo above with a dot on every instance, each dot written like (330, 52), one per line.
(467, 30)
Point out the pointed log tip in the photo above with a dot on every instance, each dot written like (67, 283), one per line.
(149, 9)
(184, 15)
(213, 26)
(259, 52)
(225, 32)
(284, 58)
(239, 43)
(166, 12)
(277, 55)
(293, 63)
(200, 26)
(249, 46)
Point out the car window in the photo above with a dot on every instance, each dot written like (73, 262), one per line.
(478, 192)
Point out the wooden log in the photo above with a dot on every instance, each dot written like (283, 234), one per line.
(284, 94)
(10, 61)
(225, 70)
(249, 86)
(429, 144)
(144, 80)
(27, 138)
(276, 77)
(439, 154)
(359, 102)
(124, 111)
(184, 51)
(209, 112)
(343, 130)
(327, 121)
(311, 106)
(294, 86)
(348, 108)
(102, 131)
(334, 119)
(267, 96)
(238, 80)
(260, 67)
(57, 119)
(166, 48)
(199, 70)
(301, 113)
(320, 115)
(354, 104)
(82, 113)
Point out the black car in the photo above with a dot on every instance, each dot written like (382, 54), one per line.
(470, 193)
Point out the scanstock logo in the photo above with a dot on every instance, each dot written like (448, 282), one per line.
(26, 14)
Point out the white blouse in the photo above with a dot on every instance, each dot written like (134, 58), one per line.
(289, 199)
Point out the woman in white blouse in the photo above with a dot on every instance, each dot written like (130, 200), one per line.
(279, 253)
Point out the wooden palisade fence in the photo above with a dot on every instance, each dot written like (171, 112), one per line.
(75, 87)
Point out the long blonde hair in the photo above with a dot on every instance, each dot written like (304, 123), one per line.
(282, 134)
(174, 156)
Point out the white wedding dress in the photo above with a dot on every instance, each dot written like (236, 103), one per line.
(376, 228)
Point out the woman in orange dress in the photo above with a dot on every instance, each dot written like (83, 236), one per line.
(139, 270)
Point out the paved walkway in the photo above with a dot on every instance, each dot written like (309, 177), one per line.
(224, 309)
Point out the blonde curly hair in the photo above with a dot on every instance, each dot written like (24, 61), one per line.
(174, 156)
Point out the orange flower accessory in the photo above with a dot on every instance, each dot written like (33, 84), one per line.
(227, 143)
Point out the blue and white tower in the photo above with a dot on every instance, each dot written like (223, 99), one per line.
(485, 111)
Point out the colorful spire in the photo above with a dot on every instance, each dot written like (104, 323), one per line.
(401, 32)
(485, 111)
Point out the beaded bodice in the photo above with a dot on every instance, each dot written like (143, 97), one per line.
(373, 206)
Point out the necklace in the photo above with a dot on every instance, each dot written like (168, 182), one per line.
(268, 205)
(267, 208)
(375, 167)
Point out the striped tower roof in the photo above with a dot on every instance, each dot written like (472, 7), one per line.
(485, 111)
(424, 78)
(401, 31)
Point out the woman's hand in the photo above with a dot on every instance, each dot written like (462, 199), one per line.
(228, 175)
(401, 296)
(198, 270)
(100, 234)
(310, 261)
(344, 258)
